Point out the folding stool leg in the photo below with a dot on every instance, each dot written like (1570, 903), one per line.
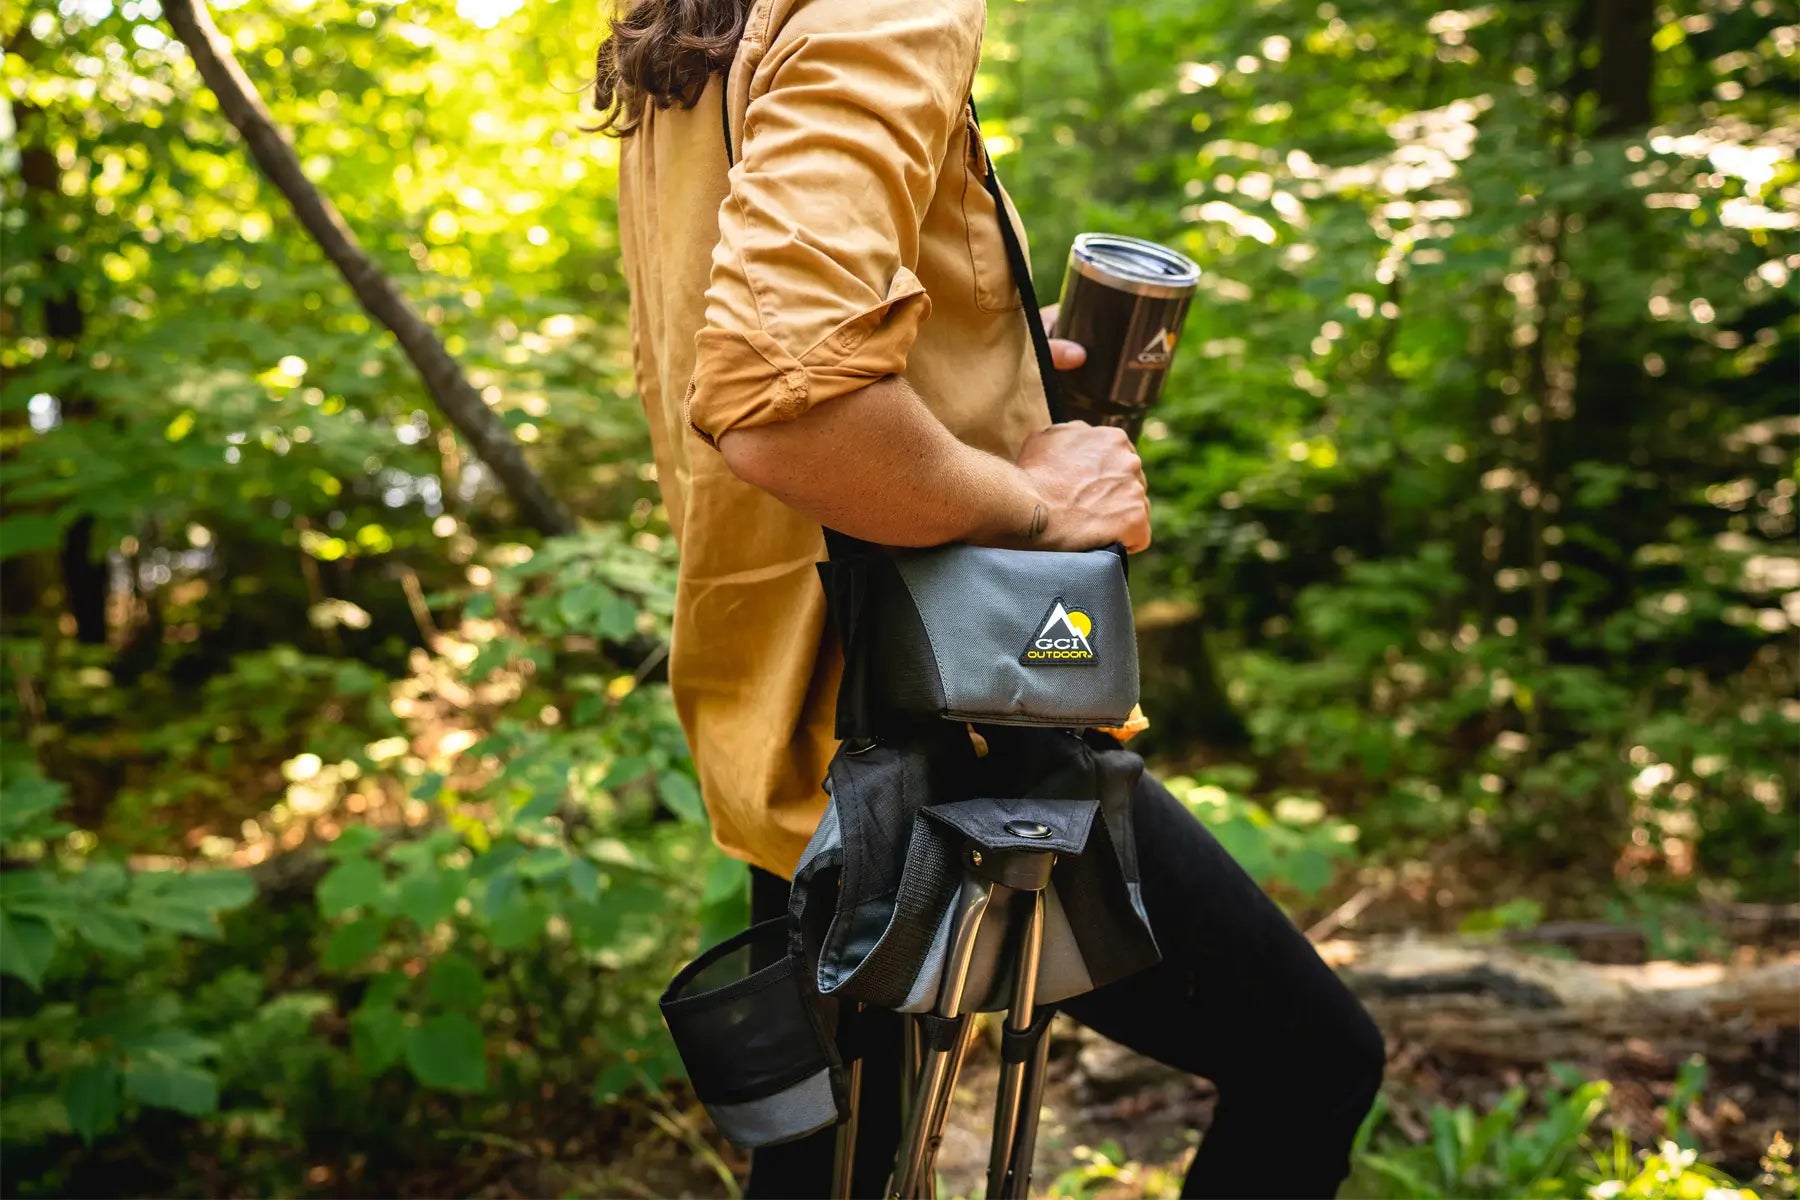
(843, 1167)
(943, 1051)
(1031, 1104)
(1009, 1094)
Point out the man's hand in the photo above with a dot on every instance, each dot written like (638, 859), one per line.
(876, 464)
(1064, 354)
(1091, 484)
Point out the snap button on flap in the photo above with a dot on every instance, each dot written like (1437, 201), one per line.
(1027, 829)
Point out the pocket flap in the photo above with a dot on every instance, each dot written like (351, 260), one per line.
(1061, 826)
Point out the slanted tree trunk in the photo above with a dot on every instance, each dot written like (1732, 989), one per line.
(454, 395)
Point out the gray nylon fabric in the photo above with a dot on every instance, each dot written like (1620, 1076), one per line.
(872, 906)
(981, 607)
(790, 1113)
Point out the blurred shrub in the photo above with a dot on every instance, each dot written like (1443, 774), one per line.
(533, 866)
(1504, 1153)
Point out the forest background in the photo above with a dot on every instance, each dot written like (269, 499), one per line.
(347, 838)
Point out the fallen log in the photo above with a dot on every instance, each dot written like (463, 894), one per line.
(1489, 1000)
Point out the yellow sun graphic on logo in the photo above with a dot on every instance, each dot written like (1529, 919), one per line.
(1081, 621)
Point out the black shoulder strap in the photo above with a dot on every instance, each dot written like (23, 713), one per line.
(1015, 252)
(1021, 273)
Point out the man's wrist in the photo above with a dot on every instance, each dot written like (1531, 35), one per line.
(1020, 517)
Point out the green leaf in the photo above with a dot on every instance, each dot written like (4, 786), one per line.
(454, 981)
(625, 770)
(377, 1037)
(446, 1052)
(178, 1045)
(683, 798)
(90, 1093)
(612, 1081)
(351, 884)
(27, 945)
(428, 895)
(352, 944)
(592, 925)
(111, 931)
(726, 878)
(517, 923)
(1308, 870)
(584, 879)
(541, 805)
(188, 902)
(27, 804)
(179, 1086)
(544, 862)
(28, 533)
(212, 890)
(354, 840)
(616, 616)
(39, 893)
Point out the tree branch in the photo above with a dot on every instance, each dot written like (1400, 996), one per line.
(455, 396)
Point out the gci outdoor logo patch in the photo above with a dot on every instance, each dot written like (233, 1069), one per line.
(1064, 638)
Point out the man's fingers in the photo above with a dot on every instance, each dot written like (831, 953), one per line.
(1067, 355)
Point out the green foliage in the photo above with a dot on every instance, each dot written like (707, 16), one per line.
(1290, 845)
(68, 924)
(1478, 458)
(1478, 451)
(1558, 1152)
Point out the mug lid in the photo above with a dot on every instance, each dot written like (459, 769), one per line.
(1134, 264)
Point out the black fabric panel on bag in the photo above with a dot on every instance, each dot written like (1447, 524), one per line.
(745, 1035)
(904, 670)
(845, 578)
(905, 927)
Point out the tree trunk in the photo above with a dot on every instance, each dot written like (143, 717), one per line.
(1627, 65)
(84, 575)
(487, 436)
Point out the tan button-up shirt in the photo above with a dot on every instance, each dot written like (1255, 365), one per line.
(853, 239)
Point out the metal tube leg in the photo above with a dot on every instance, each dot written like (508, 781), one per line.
(911, 1063)
(942, 1056)
(843, 1167)
(1009, 1094)
(1031, 1103)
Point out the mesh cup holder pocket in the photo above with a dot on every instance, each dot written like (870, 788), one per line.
(754, 1042)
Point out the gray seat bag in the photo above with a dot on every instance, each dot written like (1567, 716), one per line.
(875, 888)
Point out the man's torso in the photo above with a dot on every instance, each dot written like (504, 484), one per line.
(753, 672)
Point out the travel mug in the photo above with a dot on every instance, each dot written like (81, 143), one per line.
(1124, 299)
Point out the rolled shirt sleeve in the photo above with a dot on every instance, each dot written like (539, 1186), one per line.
(812, 293)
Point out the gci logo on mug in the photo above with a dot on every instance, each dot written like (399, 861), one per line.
(1064, 639)
(1156, 354)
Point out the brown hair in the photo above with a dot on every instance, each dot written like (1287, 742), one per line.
(663, 51)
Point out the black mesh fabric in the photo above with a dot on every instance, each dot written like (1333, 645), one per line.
(747, 1034)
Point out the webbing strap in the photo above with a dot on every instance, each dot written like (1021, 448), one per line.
(1021, 273)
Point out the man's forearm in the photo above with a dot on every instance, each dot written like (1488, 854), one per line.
(878, 465)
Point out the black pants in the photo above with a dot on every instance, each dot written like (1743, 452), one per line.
(1240, 997)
